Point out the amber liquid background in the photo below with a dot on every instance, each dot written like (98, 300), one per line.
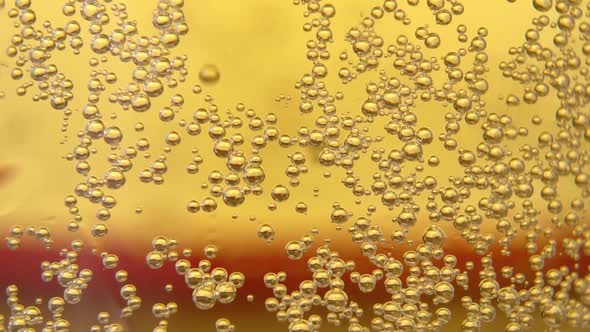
(259, 48)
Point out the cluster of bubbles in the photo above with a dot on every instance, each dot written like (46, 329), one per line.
(74, 280)
(489, 181)
(16, 233)
(32, 48)
(31, 317)
(429, 281)
(405, 311)
(209, 286)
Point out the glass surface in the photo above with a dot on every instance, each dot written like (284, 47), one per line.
(307, 165)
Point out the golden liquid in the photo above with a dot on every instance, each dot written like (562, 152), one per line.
(409, 165)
